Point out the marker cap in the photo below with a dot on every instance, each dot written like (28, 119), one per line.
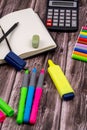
(2, 116)
(14, 60)
(6, 108)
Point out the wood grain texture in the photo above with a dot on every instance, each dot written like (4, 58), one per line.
(53, 114)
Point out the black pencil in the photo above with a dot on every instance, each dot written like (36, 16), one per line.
(6, 39)
(8, 32)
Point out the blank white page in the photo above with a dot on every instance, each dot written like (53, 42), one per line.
(29, 24)
(4, 50)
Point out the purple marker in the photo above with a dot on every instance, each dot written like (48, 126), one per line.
(81, 45)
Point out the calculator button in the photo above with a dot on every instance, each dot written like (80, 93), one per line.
(61, 24)
(67, 17)
(67, 25)
(50, 10)
(74, 14)
(67, 14)
(49, 24)
(61, 21)
(55, 17)
(55, 13)
(67, 21)
(55, 20)
(50, 13)
(49, 16)
(62, 11)
(55, 24)
(56, 10)
(61, 14)
(67, 11)
(61, 17)
(74, 11)
(74, 18)
(73, 23)
(49, 20)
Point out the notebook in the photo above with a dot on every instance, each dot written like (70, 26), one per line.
(20, 39)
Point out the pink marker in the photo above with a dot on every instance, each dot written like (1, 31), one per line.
(2, 116)
(84, 28)
(81, 45)
(37, 97)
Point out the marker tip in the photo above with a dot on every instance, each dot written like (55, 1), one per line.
(42, 70)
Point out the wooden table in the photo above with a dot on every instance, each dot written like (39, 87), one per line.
(54, 114)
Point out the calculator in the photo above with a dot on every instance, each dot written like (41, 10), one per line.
(62, 15)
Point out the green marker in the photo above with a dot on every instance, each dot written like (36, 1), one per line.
(84, 31)
(6, 108)
(23, 95)
(78, 57)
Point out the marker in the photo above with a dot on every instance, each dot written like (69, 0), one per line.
(82, 36)
(23, 95)
(80, 53)
(6, 39)
(84, 28)
(37, 97)
(9, 31)
(13, 59)
(81, 45)
(65, 90)
(6, 108)
(79, 57)
(83, 33)
(80, 50)
(30, 96)
(2, 116)
(82, 42)
(82, 39)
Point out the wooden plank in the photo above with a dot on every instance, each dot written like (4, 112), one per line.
(73, 113)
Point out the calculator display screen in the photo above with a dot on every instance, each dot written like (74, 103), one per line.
(62, 3)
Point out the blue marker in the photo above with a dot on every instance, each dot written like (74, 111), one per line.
(82, 36)
(30, 96)
(80, 50)
(81, 47)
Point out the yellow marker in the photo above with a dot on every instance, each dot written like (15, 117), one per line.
(83, 33)
(60, 81)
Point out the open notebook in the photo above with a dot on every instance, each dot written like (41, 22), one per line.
(21, 38)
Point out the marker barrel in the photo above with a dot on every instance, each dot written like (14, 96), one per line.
(33, 116)
(6, 108)
(29, 104)
(37, 97)
(30, 96)
(9, 31)
(21, 106)
(79, 57)
(2, 116)
(22, 100)
(64, 88)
